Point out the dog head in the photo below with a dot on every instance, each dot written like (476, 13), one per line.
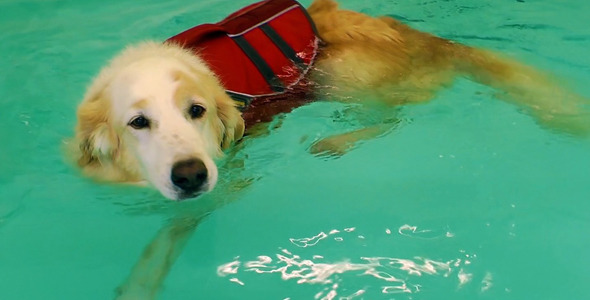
(156, 114)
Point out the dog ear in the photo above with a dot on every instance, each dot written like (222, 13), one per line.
(231, 118)
(97, 141)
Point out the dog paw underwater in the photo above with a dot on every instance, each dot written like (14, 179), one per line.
(165, 112)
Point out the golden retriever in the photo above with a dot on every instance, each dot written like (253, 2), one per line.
(158, 114)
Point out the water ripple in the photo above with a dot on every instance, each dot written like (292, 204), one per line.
(477, 37)
(528, 26)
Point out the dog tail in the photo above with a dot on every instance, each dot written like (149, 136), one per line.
(542, 94)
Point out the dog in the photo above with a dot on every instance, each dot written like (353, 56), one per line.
(159, 114)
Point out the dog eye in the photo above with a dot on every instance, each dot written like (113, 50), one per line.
(196, 111)
(139, 122)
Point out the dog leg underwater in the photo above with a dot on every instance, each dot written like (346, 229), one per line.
(375, 121)
(150, 271)
(547, 99)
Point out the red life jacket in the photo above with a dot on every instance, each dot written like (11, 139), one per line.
(264, 49)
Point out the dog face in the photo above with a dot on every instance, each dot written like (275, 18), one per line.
(157, 114)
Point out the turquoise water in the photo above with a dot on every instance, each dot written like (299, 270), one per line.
(467, 199)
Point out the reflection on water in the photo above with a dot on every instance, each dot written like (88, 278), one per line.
(379, 274)
(415, 232)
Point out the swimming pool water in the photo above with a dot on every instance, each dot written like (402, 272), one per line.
(468, 199)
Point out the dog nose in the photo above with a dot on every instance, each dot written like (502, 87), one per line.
(189, 175)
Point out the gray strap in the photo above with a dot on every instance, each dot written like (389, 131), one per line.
(271, 78)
